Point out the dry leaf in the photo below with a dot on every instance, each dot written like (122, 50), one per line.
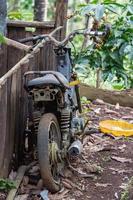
(99, 101)
(97, 111)
(67, 173)
(25, 180)
(22, 197)
(128, 117)
(122, 147)
(67, 185)
(58, 196)
(108, 111)
(102, 184)
(92, 168)
(116, 195)
(122, 160)
(117, 106)
(73, 184)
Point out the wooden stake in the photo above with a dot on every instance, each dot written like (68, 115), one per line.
(18, 180)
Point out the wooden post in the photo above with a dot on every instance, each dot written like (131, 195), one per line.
(61, 17)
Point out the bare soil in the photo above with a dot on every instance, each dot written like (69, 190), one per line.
(103, 170)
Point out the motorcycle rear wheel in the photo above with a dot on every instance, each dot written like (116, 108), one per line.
(48, 145)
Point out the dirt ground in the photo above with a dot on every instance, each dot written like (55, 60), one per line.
(104, 169)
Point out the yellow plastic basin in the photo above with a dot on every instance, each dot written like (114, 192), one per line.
(117, 128)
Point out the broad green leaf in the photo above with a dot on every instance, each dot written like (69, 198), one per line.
(2, 40)
(88, 9)
(99, 12)
(130, 9)
(111, 8)
(118, 86)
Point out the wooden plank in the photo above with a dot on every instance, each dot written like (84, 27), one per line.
(13, 54)
(34, 24)
(18, 180)
(8, 137)
(3, 125)
(16, 44)
(3, 60)
(19, 142)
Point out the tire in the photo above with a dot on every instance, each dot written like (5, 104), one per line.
(48, 126)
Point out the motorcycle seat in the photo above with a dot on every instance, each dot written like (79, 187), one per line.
(47, 79)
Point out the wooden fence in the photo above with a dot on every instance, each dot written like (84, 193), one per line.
(13, 98)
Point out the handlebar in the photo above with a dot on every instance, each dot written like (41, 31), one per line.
(85, 32)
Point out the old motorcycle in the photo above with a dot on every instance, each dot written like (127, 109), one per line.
(54, 104)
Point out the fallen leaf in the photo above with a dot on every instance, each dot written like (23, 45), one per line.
(25, 180)
(93, 168)
(12, 175)
(22, 197)
(101, 147)
(102, 184)
(67, 185)
(128, 117)
(117, 106)
(78, 193)
(108, 111)
(67, 173)
(122, 160)
(97, 111)
(122, 147)
(73, 184)
(116, 195)
(99, 101)
(58, 196)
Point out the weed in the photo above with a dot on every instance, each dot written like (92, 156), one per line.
(6, 185)
(126, 193)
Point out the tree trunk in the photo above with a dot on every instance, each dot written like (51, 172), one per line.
(40, 10)
(3, 13)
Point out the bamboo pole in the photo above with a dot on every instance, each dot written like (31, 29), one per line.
(16, 44)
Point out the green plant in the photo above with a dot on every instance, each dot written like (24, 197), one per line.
(126, 193)
(2, 40)
(6, 185)
(115, 56)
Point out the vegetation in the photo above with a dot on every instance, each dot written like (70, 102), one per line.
(113, 57)
(127, 193)
(6, 185)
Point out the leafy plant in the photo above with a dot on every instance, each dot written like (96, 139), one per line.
(2, 40)
(126, 193)
(115, 56)
(6, 185)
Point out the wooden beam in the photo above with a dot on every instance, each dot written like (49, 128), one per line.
(16, 44)
(124, 98)
(34, 24)
(61, 17)
(18, 180)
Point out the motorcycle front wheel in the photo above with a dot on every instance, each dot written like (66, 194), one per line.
(48, 146)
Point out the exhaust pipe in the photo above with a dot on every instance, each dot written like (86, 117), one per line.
(75, 149)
